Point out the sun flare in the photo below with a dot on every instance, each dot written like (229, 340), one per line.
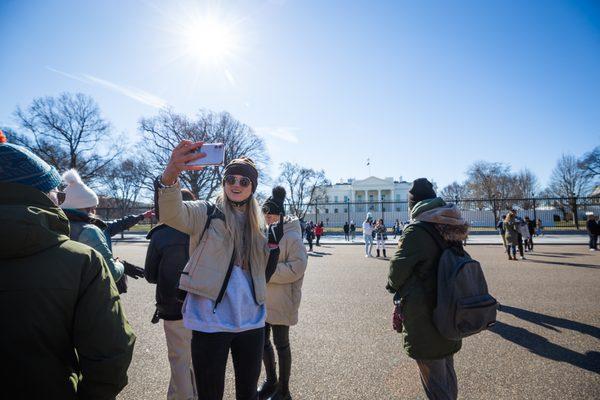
(208, 40)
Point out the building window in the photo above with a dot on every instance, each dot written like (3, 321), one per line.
(346, 199)
(327, 211)
(335, 210)
(345, 210)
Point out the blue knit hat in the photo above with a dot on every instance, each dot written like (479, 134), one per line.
(19, 165)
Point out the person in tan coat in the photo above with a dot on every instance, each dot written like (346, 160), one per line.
(284, 292)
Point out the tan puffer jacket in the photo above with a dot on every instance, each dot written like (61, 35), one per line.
(205, 272)
(284, 290)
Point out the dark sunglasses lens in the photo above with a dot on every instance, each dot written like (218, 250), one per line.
(230, 180)
(61, 196)
(244, 182)
(265, 209)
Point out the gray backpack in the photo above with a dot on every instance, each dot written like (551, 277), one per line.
(464, 306)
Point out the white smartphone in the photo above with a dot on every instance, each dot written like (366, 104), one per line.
(215, 154)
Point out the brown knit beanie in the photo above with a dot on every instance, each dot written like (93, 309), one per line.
(243, 166)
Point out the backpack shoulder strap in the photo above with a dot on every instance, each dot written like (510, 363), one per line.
(212, 212)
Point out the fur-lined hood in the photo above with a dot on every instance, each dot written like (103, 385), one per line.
(446, 217)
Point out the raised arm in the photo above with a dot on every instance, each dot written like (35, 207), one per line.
(187, 217)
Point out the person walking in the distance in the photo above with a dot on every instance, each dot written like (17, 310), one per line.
(380, 237)
(319, 229)
(352, 231)
(593, 230)
(346, 231)
(167, 254)
(511, 237)
(284, 292)
(367, 228)
(413, 279)
(309, 232)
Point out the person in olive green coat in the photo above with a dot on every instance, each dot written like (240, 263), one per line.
(64, 335)
(413, 279)
(511, 234)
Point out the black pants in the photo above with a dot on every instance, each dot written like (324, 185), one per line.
(318, 239)
(520, 245)
(281, 338)
(593, 241)
(347, 236)
(209, 357)
(310, 245)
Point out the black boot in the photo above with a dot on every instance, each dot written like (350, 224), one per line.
(378, 253)
(268, 389)
(270, 385)
(285, 369)
(384, 255)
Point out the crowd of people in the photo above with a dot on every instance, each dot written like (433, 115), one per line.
(228, 278)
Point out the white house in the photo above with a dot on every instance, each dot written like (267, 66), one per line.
(364, 195)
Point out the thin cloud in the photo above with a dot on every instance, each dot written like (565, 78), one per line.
(284, 133)
(131, 92)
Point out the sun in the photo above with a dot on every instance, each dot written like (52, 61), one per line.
(209, 40)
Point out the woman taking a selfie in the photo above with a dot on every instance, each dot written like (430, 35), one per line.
(225, 278)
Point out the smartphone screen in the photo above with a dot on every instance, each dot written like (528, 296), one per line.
(215, 154)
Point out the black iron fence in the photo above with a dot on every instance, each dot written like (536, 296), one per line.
(555, 214)
(482, 214)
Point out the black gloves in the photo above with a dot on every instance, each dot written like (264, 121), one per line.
(133, 271)
(276, 231)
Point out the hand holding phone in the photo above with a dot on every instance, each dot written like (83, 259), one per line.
(183, 153)
(214, 154)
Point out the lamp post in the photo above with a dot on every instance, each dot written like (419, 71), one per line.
(534, 210)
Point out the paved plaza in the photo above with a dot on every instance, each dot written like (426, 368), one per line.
(546, 344)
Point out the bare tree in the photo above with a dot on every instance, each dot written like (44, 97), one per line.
(455, 191)
(590, 163)
(14, 137)
(569, 182)
(68, 132)
(124, 181)
(525, 185)
(304, 186)
(490, 181)
(164, 131)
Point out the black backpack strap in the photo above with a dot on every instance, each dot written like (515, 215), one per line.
(212, 212)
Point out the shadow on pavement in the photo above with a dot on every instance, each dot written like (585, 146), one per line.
(541, 253)
(318, 254)
(568, 264)
(551, 322)
(540, 346)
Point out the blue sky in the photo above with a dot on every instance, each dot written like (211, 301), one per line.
(422, 88)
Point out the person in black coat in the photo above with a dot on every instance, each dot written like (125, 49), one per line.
(347, 231)
(167, 254)
(593, 230)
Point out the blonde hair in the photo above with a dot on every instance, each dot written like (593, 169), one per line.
(248, 240)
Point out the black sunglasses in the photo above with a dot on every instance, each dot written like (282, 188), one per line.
(231, 180)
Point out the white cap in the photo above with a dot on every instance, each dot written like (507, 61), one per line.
(78, 194)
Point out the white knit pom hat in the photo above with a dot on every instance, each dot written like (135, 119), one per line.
(78, 194)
